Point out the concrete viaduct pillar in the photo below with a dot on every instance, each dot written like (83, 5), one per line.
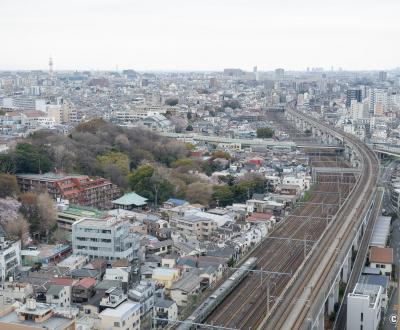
(333, 297)
(346, 268)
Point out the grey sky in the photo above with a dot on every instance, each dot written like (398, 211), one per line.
(199, 34)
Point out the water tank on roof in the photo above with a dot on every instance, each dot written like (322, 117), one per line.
(31, 304)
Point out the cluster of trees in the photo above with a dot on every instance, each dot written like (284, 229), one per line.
(265, 132)
(40, 211)
(95, 148)
(134, 159)
(238, 190)
(8, 185)
(172, 101)
(33, 214)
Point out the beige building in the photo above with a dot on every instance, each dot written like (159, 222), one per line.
(194, 226)
(126, 316)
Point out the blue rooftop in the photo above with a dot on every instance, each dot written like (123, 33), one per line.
(176, 202)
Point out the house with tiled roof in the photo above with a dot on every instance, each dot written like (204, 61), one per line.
(382, 259)
(83, 290)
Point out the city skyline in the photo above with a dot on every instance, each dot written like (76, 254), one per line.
(201, 36)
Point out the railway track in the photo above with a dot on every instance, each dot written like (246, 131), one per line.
(248, 305)
(318, 270)
(282, 253)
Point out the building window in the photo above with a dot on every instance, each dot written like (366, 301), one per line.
(362, 317)
(116, 324)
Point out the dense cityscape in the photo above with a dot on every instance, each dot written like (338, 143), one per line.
(228, 198)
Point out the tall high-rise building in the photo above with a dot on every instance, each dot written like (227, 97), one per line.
(255, 72)
(213, 82)
(51, 73)
(382, 76)
(279, 73)
(378, 101)
(353, 94)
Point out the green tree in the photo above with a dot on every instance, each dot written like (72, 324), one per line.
(7, 163)
(149, 182)
(183, 162)
(8, 185)
(265, 132)
(222, 195)
(119, 159)
(32, 158)
(144, 172)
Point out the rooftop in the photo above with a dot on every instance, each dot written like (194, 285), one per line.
(50, 176)
(122, 311)
(381, 255)
(86, 282)
(54, 322)
(54, 289)
(369, 290)
(84, 211)
(131, 199)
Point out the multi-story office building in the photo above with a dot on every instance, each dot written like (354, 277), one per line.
(382, 76)
(353, 94)
(105, 238)
(78, 189)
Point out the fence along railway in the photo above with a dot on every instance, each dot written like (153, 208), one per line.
(307, 245)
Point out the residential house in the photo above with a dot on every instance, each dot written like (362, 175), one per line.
(59, 295)
(83, 290)
(381, 258)
(186, 287)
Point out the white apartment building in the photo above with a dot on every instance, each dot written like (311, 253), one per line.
(358, 110)
(195, 226)
(378, 99)
(126, 316)
(105, 238)
(364, 307)
(10, 257)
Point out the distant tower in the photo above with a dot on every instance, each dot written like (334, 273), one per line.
(51, 68)
(255, 72)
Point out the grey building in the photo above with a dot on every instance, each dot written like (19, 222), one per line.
(109, 239)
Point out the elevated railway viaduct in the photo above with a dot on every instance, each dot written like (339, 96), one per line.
(313, 292)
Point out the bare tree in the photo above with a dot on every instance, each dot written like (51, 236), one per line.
(47, 213)
(19, 228)
(199, 192)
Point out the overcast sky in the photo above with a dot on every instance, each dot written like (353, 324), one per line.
(199, 34)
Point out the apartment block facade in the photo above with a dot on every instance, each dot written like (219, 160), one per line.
(78, 189)
(105, 238)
